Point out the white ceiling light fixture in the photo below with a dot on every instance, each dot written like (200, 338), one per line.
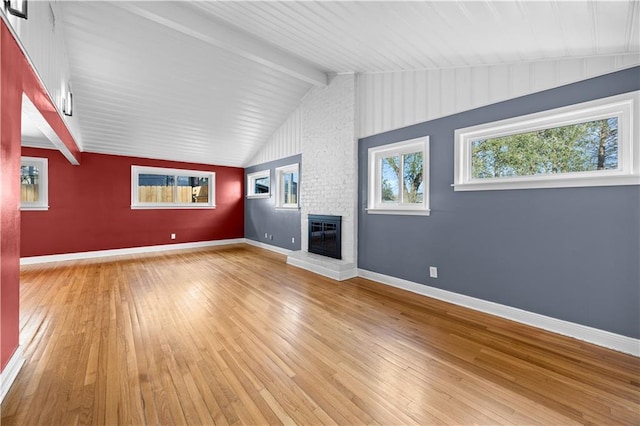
(67, 105)
(16, 8)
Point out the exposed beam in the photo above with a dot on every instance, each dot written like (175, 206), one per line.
(31, 114)
(182, 17)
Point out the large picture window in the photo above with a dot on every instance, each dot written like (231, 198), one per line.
(287, 194)
(588, 144)
(259, 184)
(153, 188)
(34, 183)
(399, 178)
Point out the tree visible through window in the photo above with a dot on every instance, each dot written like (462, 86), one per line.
(579, 147)
(594, 143)
(411, 168)
(398, 178)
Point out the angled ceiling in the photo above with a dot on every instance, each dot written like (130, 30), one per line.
(210, 82)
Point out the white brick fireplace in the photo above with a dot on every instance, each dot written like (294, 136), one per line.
(328, 179)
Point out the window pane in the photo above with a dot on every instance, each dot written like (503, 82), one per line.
(200, 190)
(261, 185)
(582, 147)
(290, 181)
(193, 189)
(29, 184)
(413, 172)
(155, 188)
(391, 179)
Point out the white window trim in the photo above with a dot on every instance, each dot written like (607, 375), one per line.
(376, 154)
(43, 191)
(252, 177)
(137, 170)
(279, 188)
(624, 107)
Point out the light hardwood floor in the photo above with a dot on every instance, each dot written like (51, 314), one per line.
(233, 335)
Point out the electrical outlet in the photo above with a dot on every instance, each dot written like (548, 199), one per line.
(173, 236)
(293, 240)
(266, 235)
(433, 272)
(271, 237)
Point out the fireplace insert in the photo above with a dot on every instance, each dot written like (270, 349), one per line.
(324, 235)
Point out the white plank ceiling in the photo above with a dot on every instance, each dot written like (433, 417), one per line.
(210, 82)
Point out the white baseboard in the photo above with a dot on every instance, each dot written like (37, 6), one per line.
(10, 372)
(267, 246)
(607, 339)
(124, 251)
(336, 269)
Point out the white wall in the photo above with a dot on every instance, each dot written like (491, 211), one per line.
(42, 37)
(392, 100)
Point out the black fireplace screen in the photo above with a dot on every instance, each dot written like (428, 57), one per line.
(324, 235)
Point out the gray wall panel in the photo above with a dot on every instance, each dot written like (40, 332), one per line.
(568, 253)
(261, 216)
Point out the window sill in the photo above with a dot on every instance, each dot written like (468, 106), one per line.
(171, 207)
(529, 183)
(33, 208)
(288, 208)
(250, 197)
(406, 212)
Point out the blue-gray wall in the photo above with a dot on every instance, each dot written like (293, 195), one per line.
(261, 215)
(568, 253)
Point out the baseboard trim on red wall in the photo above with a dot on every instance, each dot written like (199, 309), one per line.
(125, 251)
(10, 372)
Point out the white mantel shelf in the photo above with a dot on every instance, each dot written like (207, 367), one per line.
(336, 269)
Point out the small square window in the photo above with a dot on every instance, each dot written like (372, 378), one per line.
(259, 184)
(34, 183)
(398, 178)
(287, 194)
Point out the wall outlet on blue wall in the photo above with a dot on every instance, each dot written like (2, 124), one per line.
(433, 272)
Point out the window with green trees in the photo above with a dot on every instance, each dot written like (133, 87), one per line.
(575, 148)
(398, 178)
(589, 144)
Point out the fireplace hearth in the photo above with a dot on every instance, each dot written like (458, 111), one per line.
(325, 235)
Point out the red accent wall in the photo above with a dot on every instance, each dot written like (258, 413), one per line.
(16, 77)
(11, 72)
(90, 208)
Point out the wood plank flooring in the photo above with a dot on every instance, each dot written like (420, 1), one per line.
(233, 335)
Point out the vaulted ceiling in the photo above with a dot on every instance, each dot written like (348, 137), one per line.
(210, 82)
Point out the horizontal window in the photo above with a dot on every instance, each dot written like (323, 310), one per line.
(588, 144)
(259, 184)
(399, 178)
(154, 187)
(34, 183)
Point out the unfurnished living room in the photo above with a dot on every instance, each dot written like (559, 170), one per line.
(320, 212)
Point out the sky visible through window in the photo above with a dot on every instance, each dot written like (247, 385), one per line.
(411, 168)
